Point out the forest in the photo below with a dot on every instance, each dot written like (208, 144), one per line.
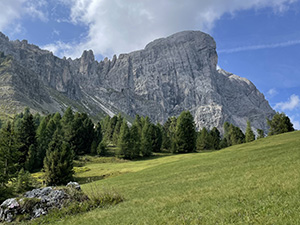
(30, 143)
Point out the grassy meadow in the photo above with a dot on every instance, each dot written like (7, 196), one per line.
(254, 183)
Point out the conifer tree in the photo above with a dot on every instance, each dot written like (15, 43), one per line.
(124, 143)
(97, 138)
(27, 137)
(215, 138)
(136, 140)
(102, 148)
(117, 130)
(260, 133)
(9, 154)
(110, 129)
(249, 135)
(146, 138)
(185, 133)
(279, 124)
(203, 140)
(157, 138)
(43, 139)
(58, 163)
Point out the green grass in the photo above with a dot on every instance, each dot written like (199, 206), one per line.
(255, 183)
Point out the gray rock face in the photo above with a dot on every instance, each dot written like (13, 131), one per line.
(170, 75)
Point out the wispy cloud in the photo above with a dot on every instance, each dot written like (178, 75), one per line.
(292, 103)
(272, 92)
(258, 47)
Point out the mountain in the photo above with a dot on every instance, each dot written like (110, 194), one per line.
(170, 75)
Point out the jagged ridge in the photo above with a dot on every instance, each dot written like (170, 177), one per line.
(170, 75)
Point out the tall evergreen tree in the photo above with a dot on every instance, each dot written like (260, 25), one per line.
(27, 139)
(43, 140)
(279, 124)
(9, 154)
(124, 143)
(117, 130)
(136, 140)
(170, 134)
(109, 131)
(215, 138)
(146, 139)
(58, 163)
(260, 133)
(249, 135)
(97, 138)
(203, 140)
(185, 133)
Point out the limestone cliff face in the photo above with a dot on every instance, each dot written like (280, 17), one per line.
(170, 75)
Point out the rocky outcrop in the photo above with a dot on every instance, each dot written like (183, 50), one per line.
(39, 202)
(170, 75)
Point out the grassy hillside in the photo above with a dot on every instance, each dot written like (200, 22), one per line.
(255, 183)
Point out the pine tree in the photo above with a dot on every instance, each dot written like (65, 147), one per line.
(117, 130)
(249, 135)
(215, 138)
(97, 138)
(9, 154)
(58, 163)
(27, 137)
(169, 134)
(102, 148)
(146, 139)
(185, 133)
(157, 138)
(109, 131)
(280, 124)
(43, 140)
(203, 140)
(136, 140)
(260, 133)
(124, 143)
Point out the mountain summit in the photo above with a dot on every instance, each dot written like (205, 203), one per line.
(170, 75)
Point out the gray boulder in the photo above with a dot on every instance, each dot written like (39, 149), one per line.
(39, 201)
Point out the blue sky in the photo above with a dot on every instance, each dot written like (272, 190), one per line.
(257, 39)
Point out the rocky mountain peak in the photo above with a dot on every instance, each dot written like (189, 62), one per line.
(170, 75)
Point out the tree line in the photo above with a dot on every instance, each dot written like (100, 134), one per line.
(30, 143)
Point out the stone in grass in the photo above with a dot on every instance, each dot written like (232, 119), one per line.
(39, 201)
(74, 185)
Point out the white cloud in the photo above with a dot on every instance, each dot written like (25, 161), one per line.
(116, 26)
(296, 124)
(272, 92)
(13, 10)
(291, 104)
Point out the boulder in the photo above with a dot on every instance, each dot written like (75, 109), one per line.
(39, 201)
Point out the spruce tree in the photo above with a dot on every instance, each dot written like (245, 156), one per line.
(249, 135)
(136, 140)
(58, 163)
(203, 141)
(185, 133)
(146, 139)
(102, 148)
(43, 139)
(124, 143)
(117, 130)
(279, 124)
(260, 133)
(215, 138)
(9, 154)
(27, 138)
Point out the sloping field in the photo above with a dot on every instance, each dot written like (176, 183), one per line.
(255, 183)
